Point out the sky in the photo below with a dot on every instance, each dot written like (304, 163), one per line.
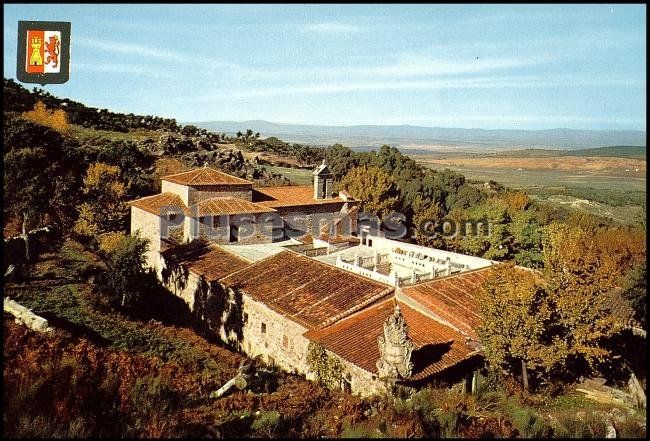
(470, 66)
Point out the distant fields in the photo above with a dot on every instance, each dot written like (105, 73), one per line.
(612, 187)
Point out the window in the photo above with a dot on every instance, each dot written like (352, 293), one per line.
(263, 328)
(245, 317)
(171, 216)
(369, 242)
(215, 221)
(285, 342)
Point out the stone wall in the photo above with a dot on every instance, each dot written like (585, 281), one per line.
(249, 231)
(282, 342)
(300, 221)
(203, 192)
(256, 330)
(180, 190)
(362, 383)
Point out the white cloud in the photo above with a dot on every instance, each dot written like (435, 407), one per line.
(149, 52)
(126, 69)
(331, 28)
(504, 82)
(127, 48)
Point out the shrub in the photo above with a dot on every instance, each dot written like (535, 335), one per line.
(266, 423)
(109, 242)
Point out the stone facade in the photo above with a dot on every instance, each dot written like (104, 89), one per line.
(148, 226)
(300, 221)
(180, 190)
(359, 381)
(268, 334)
(227, 230)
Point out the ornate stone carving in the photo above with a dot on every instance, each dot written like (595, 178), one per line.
(395, 348)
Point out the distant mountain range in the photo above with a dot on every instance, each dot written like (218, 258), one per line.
(366, 136)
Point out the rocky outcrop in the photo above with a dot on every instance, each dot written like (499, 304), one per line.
(232, 162)
(197, 151)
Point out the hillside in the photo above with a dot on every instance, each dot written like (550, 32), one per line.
(407, 135)
(616, 151)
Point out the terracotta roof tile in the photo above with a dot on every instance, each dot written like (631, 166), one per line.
(306, 291)
(290, 196)
(229, 205)
(437, 347)
(205, 176)
(154, 204)
(207, 260)
(452, 298)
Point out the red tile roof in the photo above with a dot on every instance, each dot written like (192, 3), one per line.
(452, 298)
(205, 176)
(290, 196)
(305, 290)
(229, 205)
(205, 259)
(154, 204)
(437, 347)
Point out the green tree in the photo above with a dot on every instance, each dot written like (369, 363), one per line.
(493, 240)
(40, 174)
(340, 159)
(126, 275)
(527, 239)
(425, 215)
(373, 187)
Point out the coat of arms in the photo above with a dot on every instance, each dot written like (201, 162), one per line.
(43, 52)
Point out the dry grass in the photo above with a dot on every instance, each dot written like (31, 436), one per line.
(620, 166)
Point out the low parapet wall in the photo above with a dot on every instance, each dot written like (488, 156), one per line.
(26, 317)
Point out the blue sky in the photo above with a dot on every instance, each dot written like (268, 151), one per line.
(494, 66)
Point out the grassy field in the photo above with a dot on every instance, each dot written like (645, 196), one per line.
(610, 187)
(299, 176)
(85, 134)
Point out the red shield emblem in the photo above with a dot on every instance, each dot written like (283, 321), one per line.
(43, 51)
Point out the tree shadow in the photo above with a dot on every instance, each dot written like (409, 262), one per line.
(77, 330)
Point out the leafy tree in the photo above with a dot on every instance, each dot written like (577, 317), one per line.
(190, 130)
(28, 192)
(105, 208)
(340, 159)
(493, 240)
(517, 315)
(527, 239)
(580, 269)
(40, 174)
(127, 270)
(424, 218)
(136, 166)
(55, 119)
(635, 291)
(380, 198)
(466, 197)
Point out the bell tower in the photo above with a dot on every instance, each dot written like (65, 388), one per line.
(323, 182)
